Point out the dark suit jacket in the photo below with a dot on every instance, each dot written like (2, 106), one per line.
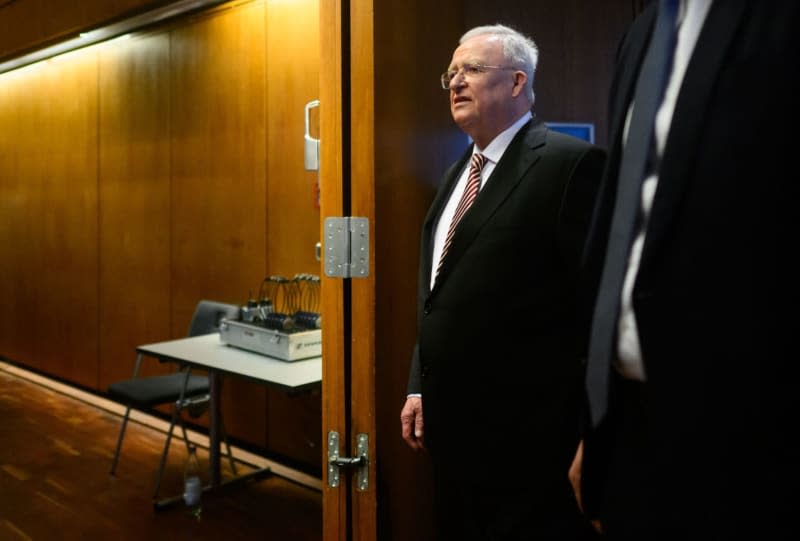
(715, 297)
(496, 360)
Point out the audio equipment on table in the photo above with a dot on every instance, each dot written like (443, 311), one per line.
(282, 321)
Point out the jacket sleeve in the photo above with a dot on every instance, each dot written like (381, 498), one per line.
(414, 383)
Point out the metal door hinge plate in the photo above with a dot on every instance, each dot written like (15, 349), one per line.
(346, 247)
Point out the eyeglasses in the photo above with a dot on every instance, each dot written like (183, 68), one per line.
(470, 71)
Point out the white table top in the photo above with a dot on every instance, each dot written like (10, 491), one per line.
(207, 351)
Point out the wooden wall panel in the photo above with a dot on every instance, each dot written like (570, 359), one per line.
(134, 213)
(415, 141)
(219, 176)
(20, 179)
(293, 220)
(218, 158)
(292, 81)
(64, 218)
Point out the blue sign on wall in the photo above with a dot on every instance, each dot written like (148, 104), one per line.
(575, 129)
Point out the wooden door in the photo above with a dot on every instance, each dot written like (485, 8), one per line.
(348, 305)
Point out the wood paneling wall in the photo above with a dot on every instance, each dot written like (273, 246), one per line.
(219, 180)
(19, 182)
(134, 212)
(415, 141)
(293, 219)
(49, 219)
(66, 224)
(135, 181)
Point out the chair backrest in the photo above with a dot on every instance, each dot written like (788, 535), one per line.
(208, 314)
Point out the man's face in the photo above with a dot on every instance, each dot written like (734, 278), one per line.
(484, 104)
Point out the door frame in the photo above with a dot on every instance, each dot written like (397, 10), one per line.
(347, 188)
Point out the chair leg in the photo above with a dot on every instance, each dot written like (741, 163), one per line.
(175, 414)
(119, 440)
(185, 435)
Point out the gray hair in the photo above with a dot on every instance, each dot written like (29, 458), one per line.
(518, 49)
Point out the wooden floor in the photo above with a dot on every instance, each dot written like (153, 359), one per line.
(55, 455)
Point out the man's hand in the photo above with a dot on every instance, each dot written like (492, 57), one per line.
(575, 474)
(412, 423)
(575, 479)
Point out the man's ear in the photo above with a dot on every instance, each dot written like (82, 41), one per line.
(520, 78)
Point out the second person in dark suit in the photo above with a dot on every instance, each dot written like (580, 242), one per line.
(496, 364)
(695, 410)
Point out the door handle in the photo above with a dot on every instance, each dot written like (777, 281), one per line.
(311, 145)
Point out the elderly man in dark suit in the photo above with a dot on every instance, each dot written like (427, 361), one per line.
(693, 365)
(496, 364)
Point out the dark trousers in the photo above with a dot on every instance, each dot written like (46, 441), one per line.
(646, 487)
(623, 505)
(469, 512)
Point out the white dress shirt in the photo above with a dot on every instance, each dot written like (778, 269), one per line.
(691, 17)
(493, 152)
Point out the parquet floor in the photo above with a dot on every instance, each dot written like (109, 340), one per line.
(55, 455)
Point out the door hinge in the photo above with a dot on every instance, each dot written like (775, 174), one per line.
(337, 462)
(347, 247)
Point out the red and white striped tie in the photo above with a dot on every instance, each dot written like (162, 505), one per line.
(467, 198)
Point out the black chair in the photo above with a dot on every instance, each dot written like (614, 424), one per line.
(186, 391)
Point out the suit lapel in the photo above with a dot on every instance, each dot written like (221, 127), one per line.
(520, 155)
(628, 62)
(697, 88)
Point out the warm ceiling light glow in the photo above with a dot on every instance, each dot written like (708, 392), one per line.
(111, 31)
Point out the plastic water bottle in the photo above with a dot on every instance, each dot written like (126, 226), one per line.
(192, 486)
